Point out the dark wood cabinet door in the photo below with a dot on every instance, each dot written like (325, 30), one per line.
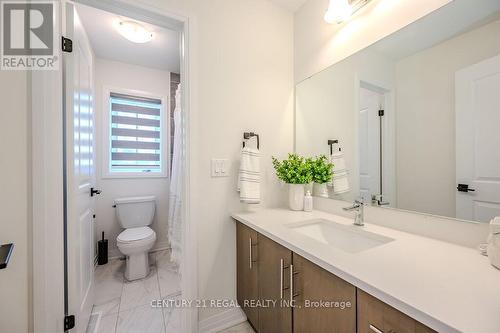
(246, 271)
(324, 302)
(274, 263)
(374, 316)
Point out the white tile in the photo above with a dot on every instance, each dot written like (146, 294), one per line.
(102, 324)
(109, 281)
(91, 326)
(143, 319)
(107, 308)
(241, 328)
(172, 317)
(170, 282)
(140, 292)
(107, 324)
(163, 258)
(168, 276)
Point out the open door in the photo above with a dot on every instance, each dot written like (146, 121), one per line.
(478, 141)
(370, 102)
(79, 173)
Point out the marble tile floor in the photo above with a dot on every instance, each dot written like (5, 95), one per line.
(241, 328)
(125, 307)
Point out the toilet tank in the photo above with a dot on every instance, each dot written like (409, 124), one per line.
(135, 211)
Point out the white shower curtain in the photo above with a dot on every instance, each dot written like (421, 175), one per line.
(176, 190)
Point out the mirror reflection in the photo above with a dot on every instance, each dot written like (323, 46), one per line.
(412, 122)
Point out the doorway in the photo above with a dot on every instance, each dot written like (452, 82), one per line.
(375, 147)
(87, 149)
(477, 157)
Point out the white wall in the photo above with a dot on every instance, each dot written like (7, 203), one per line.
(243, 67)
(319, 44)
(120, 75)
(426, 118)
(327, 108)
(15, 284)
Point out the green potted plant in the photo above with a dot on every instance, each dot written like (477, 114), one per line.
(322, 170)
(296, 172)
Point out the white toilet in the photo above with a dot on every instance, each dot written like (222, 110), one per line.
(135, 214)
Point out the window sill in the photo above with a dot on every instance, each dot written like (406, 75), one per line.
(134, 176)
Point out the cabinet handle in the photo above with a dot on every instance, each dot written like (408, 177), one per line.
(281, 278)
(250, 253)
(291, 282)
(250, 256)
(374, 329)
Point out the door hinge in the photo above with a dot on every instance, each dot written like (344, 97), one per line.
(381, 113)
(69, 322)
(67, 44)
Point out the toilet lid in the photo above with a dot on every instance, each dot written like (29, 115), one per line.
(135, 234)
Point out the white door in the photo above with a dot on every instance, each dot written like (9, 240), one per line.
(478, 140)
(80, 170)
(370, 102)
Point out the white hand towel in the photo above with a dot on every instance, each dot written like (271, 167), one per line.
(249, 176)
(493, 248)
(340, 178)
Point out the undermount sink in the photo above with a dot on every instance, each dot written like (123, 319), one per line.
(348, 238)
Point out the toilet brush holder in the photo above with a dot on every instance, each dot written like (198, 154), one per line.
(102, 251)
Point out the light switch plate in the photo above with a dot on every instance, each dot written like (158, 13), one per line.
(220, 167)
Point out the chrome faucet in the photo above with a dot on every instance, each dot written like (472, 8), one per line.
(357, 206)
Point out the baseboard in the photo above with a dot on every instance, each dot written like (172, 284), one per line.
(114, 252)
(223, 320)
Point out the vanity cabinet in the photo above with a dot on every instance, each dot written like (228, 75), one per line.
(271, 276)
(331, 301)
(374, 316)
(275, 316)
(246, 271)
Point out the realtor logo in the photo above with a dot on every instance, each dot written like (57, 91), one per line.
(28, 36)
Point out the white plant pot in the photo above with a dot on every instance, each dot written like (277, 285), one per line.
(296, 196)
(320, 190)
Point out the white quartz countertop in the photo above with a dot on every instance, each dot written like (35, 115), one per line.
(448, 287)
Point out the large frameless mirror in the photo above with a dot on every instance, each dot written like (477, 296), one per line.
(412, 122)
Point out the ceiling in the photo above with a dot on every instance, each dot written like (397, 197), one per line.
(291, 5)
(160, 53)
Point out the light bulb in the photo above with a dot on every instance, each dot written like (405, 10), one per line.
(134, 32)
(338, 11)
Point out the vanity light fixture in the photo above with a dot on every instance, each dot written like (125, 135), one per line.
(134, 32)
(340, 10)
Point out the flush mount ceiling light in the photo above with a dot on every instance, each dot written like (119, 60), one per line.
(134, 31)
(340, 10)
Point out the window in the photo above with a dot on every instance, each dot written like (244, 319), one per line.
(136, 144)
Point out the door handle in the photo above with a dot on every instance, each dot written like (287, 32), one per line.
(464, 188)
(94, 191)
(5, 254)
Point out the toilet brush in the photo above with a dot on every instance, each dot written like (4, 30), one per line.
(102, 251)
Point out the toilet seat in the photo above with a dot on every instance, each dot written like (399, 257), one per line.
(136, 236)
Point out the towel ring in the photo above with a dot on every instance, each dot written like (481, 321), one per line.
(248, 136)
